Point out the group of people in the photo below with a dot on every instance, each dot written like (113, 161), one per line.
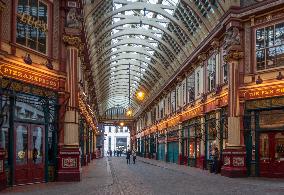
(130, 153)
(115, 153)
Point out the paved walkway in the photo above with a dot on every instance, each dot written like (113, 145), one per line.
(113, 176)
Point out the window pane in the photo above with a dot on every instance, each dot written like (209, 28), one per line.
(280, 55)
(270, 57)
(260, 60)
(32, 35)
(269, 36)
(279, 34)
(260, 39)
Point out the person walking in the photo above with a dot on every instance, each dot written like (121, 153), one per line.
(134, 156)
(128, 153)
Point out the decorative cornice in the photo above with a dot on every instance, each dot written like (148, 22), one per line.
(234, 56)
(72, 40)
(2, 6)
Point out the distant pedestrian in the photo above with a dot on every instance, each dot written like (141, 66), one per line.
(110, 153)
(134, 156)
(128, 153)
(114, 153)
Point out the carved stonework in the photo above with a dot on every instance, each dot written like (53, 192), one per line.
(233, 56)
(232, 38)
(73, 19)
(55, 31)
(202, 57)
(2, 6)
(72, 40)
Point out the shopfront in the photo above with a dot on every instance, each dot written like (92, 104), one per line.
(211, 126)
(264, 137)
(173, 145)
(161, 146)
(28, 132)
(192, 130)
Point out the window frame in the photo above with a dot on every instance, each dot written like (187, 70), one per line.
(254, 60)
(48, 33)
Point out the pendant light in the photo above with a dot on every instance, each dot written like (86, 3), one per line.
(129, 110)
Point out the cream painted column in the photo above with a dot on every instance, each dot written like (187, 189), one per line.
(71, 124)
(179, 139)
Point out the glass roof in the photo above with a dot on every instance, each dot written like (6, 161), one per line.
(152, 37)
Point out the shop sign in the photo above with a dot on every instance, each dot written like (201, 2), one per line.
(30, 20)
(263, 92)
(28, 76)
(69, 162)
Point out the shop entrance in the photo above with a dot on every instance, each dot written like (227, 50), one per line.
(29, 153)
(271, 154)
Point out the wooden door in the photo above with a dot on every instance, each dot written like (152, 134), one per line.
(21, 153)
(29, 142)
(37, 148)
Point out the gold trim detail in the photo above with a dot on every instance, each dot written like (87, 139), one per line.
(72, 40)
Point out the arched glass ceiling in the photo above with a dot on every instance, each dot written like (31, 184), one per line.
(154, 37)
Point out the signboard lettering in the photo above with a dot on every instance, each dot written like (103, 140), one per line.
(33, 77)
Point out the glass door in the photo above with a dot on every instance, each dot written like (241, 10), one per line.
(29, 153)
(271, 154)
(22, 174)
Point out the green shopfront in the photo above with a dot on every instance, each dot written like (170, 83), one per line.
(28, 132)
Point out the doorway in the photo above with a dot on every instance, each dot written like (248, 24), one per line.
(271, 154)
(29, 153)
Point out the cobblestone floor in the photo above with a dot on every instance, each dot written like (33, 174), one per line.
(114, 176)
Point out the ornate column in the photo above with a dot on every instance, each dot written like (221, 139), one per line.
(234, 154)
(166, 144)
(69, 167)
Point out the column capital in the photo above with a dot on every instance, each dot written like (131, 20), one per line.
(2, 6)
(72, 40)
(233, 56)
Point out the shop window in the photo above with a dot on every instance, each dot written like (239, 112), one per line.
(269, 47)
(264, 147)
(279, 146)
(173, 101)
(211, 72)
(32, 24)
(198, 83)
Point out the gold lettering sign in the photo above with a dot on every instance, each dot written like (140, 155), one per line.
(32, 77)
(30, 20)
(264, 92)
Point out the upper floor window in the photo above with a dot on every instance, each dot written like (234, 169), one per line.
(190, 88)
(224, 68)
(32, 25)
(198, 82)
(109, 129)
(211, 72)
(269, 47)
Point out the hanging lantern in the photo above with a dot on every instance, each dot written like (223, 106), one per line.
(140, 95)
(129, 112)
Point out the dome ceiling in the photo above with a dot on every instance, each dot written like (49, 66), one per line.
(150, 39)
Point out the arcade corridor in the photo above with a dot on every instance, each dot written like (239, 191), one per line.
(188, 87)
(111, 175)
